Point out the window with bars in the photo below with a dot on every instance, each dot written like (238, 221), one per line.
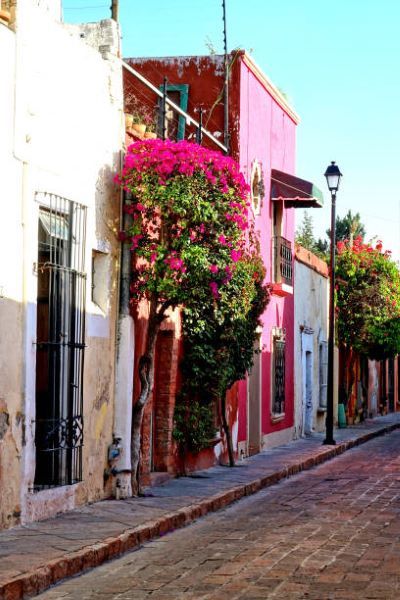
(60, 342)
(323, 374)
(283, 259)
(278, 398)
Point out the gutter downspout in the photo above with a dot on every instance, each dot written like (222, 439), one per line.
(125, 353)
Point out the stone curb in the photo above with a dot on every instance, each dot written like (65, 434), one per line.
(36, 581)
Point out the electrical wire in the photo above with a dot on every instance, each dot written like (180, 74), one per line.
(85, 7)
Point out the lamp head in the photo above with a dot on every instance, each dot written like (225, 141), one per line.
(333, 176)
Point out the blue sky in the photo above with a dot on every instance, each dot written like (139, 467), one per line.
(338, 62)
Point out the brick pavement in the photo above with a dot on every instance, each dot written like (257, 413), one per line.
(327, 534)
(35, 556)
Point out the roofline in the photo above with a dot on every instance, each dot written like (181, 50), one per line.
(269, 86)
(311, 260)
(249, 62)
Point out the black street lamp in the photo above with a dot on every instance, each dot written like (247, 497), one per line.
(333, 176)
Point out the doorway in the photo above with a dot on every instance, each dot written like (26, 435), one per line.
(254, 402)
(307, 377)
(308, 403)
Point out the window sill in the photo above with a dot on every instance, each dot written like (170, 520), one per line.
(282, 289)
(277, 418)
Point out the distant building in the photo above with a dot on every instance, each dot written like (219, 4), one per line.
(311, 301)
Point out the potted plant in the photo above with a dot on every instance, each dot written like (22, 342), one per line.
(139, 118)
(5, 14)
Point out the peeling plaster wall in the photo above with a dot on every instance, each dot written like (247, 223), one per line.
(67, 140)
(12, 422)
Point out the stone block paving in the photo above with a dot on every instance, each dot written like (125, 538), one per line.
(311, 530)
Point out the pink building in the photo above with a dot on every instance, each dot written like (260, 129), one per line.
(262, 128)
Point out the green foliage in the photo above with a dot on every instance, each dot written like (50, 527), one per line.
(305, 233)
(194, 424)
(368, 300)
(348, 228)
(219, 349)
(305, 237)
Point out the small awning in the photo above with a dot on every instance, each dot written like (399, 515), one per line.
(55, 225)
(295, 192)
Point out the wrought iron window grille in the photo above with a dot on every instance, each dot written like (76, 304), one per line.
(278, 401)
(283, 261)
(60, 341)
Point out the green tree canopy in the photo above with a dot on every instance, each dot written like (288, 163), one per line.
(305, 237)
(348, 228)
(368, 299)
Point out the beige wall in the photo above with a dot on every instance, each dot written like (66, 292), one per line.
(63, 136)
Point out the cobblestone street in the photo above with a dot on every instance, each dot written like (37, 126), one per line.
(333, 532)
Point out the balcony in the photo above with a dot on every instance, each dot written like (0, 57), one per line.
(283, 267)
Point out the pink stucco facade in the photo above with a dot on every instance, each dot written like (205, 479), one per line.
(267, 135)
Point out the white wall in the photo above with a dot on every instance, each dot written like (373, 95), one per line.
(11, 293)
(64, 137)
(310, 329)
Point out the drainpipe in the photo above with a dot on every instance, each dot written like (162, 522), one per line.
(124, 369)
(226, 83)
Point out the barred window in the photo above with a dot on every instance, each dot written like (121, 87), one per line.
(278, 397)
(60, 342)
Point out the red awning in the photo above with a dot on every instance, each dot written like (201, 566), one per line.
(295, 192)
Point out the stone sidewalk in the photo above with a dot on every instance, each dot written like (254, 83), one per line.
(35, 556)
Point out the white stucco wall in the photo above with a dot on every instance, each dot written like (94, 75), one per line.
(310, 330)
(63, 136)
(11, 294)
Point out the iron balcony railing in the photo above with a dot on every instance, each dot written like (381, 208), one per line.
(197, 130)
(283, 261)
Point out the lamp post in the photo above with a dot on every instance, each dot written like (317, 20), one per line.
(333, 176)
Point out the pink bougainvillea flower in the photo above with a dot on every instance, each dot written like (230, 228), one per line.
(235, 255)
(214, 268)
(139, 206)
(222, 240)
(202, 228)
(214, 289)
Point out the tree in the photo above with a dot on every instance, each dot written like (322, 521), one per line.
(367, 299)
(190, 236)
(305, 237)
(219, 349)
(348, 228)
(305, 233)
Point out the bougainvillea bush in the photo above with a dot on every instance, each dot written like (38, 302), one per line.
(193, 243)
(189, 219)
(368, 299)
